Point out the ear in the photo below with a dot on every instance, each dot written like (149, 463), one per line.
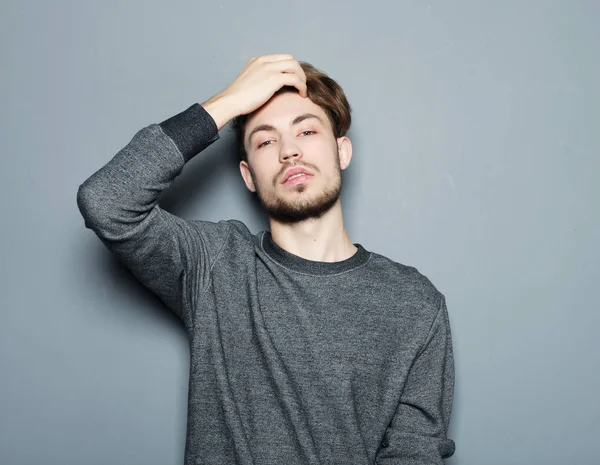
(247, 175)
(344, 151)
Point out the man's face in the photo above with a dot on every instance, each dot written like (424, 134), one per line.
(288, 138)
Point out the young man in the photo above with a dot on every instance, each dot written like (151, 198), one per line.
(305, 348)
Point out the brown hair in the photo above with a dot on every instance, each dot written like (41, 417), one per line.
(323, 91)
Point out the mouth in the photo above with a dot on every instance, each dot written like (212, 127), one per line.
(295, 175)
(297, 179)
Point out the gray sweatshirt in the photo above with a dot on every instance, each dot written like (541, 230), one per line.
(292, 361)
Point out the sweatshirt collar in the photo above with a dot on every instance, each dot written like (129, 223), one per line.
(302, 265)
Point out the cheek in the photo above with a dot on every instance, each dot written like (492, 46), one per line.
(265, 176)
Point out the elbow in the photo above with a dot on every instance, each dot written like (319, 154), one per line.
(87, 202)
(94, 210)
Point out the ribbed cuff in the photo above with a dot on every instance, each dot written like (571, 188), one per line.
(192, 130)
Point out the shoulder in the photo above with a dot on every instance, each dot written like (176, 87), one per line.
(240, 228)
(222, 227)
(215, 234)
(410, 285)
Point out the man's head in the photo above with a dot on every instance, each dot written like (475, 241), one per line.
(290, 131)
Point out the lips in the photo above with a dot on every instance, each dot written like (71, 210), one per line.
(292, 171)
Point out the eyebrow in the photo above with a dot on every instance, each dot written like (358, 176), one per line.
(268, 127)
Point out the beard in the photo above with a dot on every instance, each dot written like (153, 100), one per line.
(302, 208)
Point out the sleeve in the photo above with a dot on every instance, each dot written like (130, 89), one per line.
(169, 255)
(417, 434)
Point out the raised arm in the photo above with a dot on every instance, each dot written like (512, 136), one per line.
(169, 255)
(119, 203)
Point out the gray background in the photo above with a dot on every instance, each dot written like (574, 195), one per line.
(476, 147)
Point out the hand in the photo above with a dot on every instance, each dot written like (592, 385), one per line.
(256, 83)
(261, 77)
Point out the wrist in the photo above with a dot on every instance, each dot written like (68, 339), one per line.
(220, 108)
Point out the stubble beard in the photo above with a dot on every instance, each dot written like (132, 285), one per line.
(302, 208)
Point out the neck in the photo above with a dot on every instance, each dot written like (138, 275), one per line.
(323, 239)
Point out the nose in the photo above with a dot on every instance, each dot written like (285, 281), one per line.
(289, 150)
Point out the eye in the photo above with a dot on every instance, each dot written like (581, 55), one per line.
(265, 142)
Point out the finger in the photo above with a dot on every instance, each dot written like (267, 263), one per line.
(275, 57)
(302, 76)
(293, 80)
(301, 71)
(283, 66)
(288, 66)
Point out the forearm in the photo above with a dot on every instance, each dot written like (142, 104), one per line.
(122, 193)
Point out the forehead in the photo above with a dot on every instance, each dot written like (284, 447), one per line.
(281, 110)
